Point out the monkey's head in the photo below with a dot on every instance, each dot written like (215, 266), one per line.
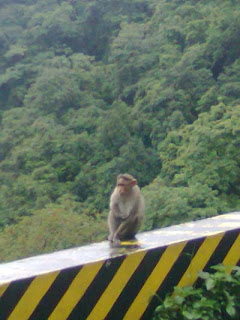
(125, 182)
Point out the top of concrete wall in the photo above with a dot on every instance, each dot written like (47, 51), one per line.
(59, 260)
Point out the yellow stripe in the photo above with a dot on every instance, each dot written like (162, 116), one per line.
(3, 288)
(32, 296)
(129, 243)
(233, 255)
(154, 281)
(75, 291)
(200, 259)
(116, 286)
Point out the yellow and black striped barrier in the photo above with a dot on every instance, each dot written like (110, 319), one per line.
(99, 282)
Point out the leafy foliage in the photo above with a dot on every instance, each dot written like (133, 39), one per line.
(62, 225)
(218, 298)
(89, 89)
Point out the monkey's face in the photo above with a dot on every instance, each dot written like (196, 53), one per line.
(123, 189)
(124, 186)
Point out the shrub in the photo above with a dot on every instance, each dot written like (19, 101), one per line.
(217, 298)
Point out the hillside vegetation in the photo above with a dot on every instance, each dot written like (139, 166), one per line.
(89, 89)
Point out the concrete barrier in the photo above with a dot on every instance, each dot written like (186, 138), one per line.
(99, 282)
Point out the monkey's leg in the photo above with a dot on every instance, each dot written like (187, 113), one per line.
(127, 229)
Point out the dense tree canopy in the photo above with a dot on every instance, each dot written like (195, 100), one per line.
(89, 89)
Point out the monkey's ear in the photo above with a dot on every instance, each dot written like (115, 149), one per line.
(133, 182)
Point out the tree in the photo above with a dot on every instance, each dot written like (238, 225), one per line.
(50, 229)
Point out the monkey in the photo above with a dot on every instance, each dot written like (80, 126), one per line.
(126, 209)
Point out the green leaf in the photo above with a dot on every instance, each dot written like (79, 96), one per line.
(231, 310)
(192, 315)
(178, 299)
(210, 283)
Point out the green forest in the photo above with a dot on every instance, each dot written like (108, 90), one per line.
(93, 88)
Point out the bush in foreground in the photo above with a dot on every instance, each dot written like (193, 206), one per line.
(217, 298)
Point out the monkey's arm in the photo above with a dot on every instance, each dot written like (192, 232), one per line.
(127, 227)
(117, 224)
(121, 229)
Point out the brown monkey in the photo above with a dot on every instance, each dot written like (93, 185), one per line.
(126, 209)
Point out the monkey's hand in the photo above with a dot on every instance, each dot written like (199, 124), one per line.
(116, 240)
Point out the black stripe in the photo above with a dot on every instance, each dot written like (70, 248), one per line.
(222, 249)
(54, 294)
(12, 295)
(96, 288)
(174, 276)
(220, 253)
(135, 284)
